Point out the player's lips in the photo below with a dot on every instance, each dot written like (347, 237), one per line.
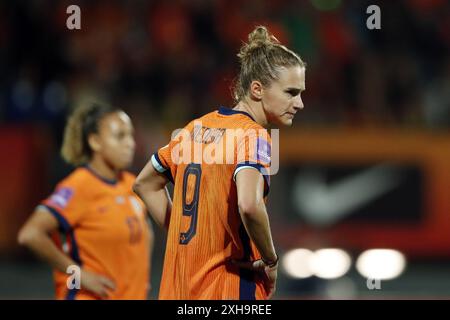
(127, 155)
(290, 114)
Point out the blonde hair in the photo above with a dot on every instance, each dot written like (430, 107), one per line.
(81, 123)
(260, 59)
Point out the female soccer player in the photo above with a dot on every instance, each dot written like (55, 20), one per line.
(219, 243)
(102, 226)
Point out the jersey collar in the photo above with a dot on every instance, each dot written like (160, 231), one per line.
(229, 112)
(111, 182)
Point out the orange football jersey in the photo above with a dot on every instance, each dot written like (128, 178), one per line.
(205, 229)
(104, 229)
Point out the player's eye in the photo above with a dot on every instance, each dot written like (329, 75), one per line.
(293, 92)
(124, 134)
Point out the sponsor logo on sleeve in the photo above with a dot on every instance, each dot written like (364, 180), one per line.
(61, 197)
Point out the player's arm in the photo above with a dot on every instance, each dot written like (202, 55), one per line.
(35, 234)
(250, 186)
(150, 186)
(250, 190)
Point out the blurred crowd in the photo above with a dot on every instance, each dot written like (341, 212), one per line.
(166, 62)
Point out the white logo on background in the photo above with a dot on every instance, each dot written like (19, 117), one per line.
(373, 284)
(324, 204)
(74, 20)
(74, 280)
(374, 20)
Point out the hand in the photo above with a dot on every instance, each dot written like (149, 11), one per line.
(270, 273)
(97, 284)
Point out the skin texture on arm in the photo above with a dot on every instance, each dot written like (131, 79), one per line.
(250, 186)
(150, 186)
(35, 234)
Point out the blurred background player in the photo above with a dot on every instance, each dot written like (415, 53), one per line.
(219, 214)
(102, 225)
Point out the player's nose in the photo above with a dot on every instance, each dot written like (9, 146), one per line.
(298, 104)
(130, 143)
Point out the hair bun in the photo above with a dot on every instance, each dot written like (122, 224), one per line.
(258, 38)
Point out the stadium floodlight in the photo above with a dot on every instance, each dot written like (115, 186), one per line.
(330, 263)
(296, 263)
(382, 264)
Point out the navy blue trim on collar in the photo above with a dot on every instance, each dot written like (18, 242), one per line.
(111, 182)
(228, 112)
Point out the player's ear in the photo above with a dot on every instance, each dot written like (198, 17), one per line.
(256, 90)
(94, 142)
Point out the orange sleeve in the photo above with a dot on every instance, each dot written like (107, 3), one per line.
(66, 204)
(254, 151)
(167, 158)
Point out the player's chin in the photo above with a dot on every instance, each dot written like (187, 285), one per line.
(282, 121)
(286, 120)
(124, 162)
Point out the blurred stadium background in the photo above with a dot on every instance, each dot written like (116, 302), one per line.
(366, 166)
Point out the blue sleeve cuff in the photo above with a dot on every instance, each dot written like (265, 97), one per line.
(157, 164)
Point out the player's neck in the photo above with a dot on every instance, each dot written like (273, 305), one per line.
(255, 111)
(101, 168)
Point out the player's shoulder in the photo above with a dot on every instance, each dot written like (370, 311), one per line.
(205, 119)
(77, 178)
(229, 118)
(85, 181)
(250, 124)
(200, 120)
(238, 119)
(250, 128)
(209, 115)
(74, 185)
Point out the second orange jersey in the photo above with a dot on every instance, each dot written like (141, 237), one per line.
(103, 228)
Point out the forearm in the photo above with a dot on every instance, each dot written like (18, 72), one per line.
(257, 224)
(157, 202)
(43, 246)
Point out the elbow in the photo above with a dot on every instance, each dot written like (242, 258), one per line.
(137, 186)
(145, 184)
(26, 236)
